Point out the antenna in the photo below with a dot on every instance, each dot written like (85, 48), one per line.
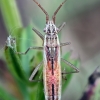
(47, 16)
(54, 16)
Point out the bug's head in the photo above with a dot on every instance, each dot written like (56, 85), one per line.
(50, 28)
(51, 36)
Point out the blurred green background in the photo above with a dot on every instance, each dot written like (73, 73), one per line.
(17, 17)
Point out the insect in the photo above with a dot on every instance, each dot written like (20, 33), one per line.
(52, 74)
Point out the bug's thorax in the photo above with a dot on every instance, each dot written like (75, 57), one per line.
(51, 42)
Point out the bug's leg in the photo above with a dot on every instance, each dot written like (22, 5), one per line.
(53, 17)
(64, 44)
(34, 72)
(69, 72)
(23, 53)
(38, 33)
(71, 65)
(47, 16)
(61, 26)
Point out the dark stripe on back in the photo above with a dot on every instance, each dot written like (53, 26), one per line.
(52, 64)
(52, 91)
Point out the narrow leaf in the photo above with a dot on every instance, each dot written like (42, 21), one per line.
(16, 70)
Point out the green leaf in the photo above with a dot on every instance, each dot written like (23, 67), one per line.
(40, 92)
(37, 92)
(15, 66)
(16, 70)
(10, 14)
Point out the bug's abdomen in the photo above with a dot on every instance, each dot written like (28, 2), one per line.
(52, 82)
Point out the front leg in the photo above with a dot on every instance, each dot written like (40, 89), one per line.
(38, 33)
(23, 53)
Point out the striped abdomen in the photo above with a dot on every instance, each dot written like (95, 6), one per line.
(52, 81)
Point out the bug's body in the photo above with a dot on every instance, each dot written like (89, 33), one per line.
(52, 68)
(52, 74)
